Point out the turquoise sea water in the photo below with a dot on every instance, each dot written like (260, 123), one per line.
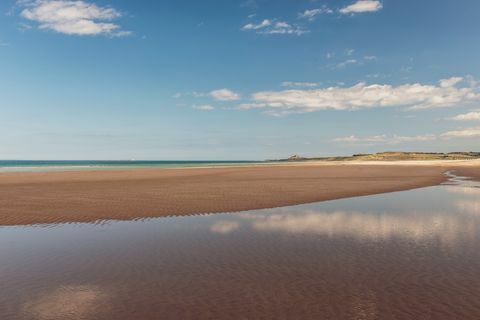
(67, 165)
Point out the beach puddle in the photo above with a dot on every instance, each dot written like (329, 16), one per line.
(403, 255)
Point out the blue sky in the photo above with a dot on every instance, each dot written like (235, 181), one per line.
(221, 79)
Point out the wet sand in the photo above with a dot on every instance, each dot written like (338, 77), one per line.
(36, 198)
(468, 171)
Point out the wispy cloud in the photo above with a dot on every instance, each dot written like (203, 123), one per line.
(399, 139)
(470, 116)
(413, 96)
(347, 62)
(73, 17)
(385, 139)
(362, 6)
(313, 13)
(291, 84)
(203, 107)
(194, 94)
(355, 139)
(224, 95)
(256, 26)
(350, 60)
(251, 4)
(463, 133)
(274, 27)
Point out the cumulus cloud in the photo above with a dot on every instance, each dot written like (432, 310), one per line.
(463, 133)
(362, 6)
(470, 116)
(274, 27)
(362, 96)
(313, 13)
(224, 95)
(73, 17)
(384, 139)
(450, 82)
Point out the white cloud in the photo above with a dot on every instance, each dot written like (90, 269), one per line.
(203, 107)
(252, 26)
(272, 27)
(362, 6)
(350, 52)
(300, 84)
(248, 106)
(73, 17)
(187, 94)
(370, 58)
(355, 139)
(346, 63)
(362, 96)
(464, 133)
(313, 13)
(470, 116)
(398, 139)
(224, 95)
(445, 83)
(285, 28)
(384, 139)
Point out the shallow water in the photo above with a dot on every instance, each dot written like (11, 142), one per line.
(403, 255)
(79, 165)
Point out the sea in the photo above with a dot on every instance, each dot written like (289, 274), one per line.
(74, 165)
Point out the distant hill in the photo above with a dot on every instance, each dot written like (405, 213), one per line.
(393, 156)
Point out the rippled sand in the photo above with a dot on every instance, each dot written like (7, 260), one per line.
(51, 197)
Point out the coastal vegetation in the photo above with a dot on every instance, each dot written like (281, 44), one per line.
(392, 156)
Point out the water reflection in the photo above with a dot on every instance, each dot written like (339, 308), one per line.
(404, 255)
(467, 197)
(434, 215)
(67, 302)
(363, 226)
(225, 227)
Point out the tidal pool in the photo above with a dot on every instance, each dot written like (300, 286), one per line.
(403, 255)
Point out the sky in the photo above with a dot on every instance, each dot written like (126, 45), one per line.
(237, 80)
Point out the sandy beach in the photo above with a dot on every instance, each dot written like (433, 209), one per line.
(53, 197)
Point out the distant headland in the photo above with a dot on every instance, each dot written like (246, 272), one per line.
(390, 156)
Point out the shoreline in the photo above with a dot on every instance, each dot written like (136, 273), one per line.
(93, 195)
(240, 164)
